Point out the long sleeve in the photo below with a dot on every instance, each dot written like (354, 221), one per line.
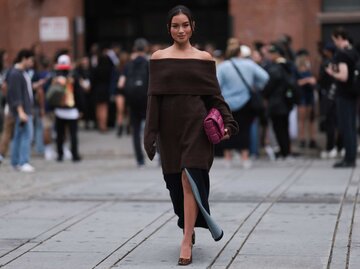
(273, 83)
(151, 125)
(15, 97)
(261, 77)
(79, 97)
(218, 102)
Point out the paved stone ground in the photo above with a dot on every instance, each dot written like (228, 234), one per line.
(106, 213)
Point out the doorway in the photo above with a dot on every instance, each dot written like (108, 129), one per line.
(113, 21)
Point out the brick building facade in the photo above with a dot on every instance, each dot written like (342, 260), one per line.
(248, 20)
(20, 19)
(266, 20)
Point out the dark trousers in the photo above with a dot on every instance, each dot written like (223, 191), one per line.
(136, 120)
(346, 114)
(332, 139)
(61, 125)
(241, 141)
(89, 113)
(281, 129)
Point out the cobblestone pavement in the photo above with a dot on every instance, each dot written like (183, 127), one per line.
(106, 213)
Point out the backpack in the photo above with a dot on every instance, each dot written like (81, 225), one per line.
(136, 84)
(55, 95)
(291, 91)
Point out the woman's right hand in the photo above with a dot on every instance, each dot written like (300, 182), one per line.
(226, 135)
(150, 150)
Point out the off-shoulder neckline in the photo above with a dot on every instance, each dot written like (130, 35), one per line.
(182, 59)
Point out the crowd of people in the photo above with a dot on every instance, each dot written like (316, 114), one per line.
(43, 99)
(295, 98)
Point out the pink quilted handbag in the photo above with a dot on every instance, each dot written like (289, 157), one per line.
(214, 126)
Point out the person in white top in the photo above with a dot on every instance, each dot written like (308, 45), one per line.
(69, 108)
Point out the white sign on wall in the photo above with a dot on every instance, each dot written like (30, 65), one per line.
(54, 29)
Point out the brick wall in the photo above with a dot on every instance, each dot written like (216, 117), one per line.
(19, 23)
(253, 20)
(266, 20)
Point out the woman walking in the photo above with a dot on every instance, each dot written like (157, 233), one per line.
(182, 88)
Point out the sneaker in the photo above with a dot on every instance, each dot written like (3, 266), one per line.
(76, 159)
(246, 164)
(270, 153)
(141, 166)
(28, 168)
(333, 153)
(344, 164)
(49, 154)
(67, 153)
(1, 159)
(342, 153)
(16, 167)
(289, 159)
(324, 154)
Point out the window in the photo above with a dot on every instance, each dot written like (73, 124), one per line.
(340, 6)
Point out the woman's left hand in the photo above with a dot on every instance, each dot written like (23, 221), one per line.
(226, 135)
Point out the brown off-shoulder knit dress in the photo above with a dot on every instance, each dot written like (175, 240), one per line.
(181, 91)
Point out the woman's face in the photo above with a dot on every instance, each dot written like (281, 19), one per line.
(180, 28)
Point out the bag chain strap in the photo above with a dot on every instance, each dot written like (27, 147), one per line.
(242, 77)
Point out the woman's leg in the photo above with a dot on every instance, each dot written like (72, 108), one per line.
(120, 108)
(311, 122)
(227, 154)
(101, 114)
(8, 130)
(302, 117)
(190, 214)
(245, 121)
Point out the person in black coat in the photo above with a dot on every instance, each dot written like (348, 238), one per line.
(101, 79)
(342, 70)
(274, 92)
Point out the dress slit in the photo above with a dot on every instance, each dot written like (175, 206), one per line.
(200, 185)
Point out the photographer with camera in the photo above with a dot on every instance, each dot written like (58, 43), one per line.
(342, 71)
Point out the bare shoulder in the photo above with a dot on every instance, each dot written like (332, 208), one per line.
(203, 55)
(160, 54)
(157, 55)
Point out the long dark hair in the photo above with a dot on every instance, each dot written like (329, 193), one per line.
(180, 9)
